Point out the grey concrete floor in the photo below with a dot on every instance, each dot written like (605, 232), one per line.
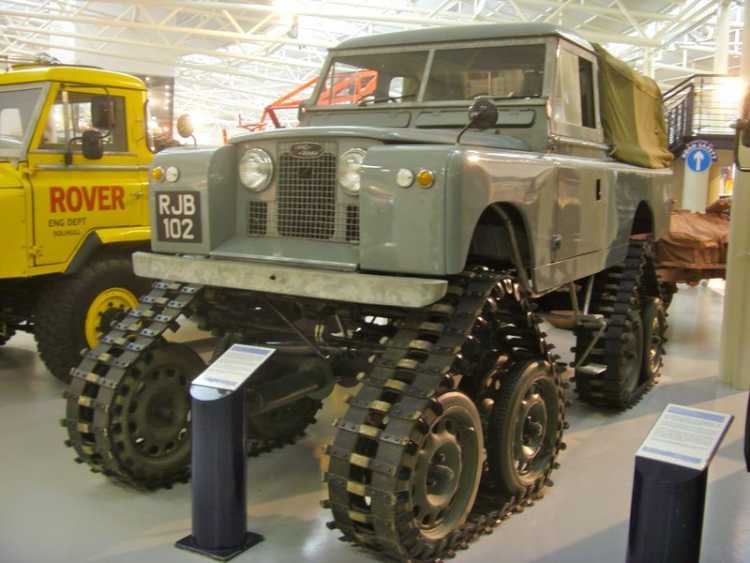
(53, 510)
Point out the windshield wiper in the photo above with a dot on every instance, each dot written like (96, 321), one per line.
(366, 99)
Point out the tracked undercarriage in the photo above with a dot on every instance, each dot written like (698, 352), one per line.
(458, 421)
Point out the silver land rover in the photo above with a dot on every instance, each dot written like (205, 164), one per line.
(397, 243)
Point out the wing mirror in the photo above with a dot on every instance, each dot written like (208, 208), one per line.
(103, 113)
(482, 115)
(742, 137)
(742, 145)
(92, 145)
(185, 126)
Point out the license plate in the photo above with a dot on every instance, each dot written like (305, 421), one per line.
(178, 217)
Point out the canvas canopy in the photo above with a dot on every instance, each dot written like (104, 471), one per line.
(632, 113)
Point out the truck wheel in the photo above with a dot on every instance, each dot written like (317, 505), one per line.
(525, 429)
(448, 469)
(73, 312)
(614, 375)
(6, 334)
(150, 422)
(668, 289)
(654, 329)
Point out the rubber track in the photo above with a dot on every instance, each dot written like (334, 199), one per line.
(617, 291)
(376, 442)
(95, 382)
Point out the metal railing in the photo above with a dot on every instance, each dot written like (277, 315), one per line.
(705, 105)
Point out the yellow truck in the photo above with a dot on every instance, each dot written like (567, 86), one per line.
(74, 157)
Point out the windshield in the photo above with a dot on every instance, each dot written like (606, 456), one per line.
(500, 72)
(17, 108)
(373, 78)
(457, 74)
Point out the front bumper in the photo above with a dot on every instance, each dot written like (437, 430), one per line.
(349, 287)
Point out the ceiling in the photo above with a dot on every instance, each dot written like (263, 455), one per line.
(231, 58)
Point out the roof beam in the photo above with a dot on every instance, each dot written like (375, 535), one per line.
(218, 34)
(173, 48)
(215, 69)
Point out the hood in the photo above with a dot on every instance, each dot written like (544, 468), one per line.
(9, 176)
(389, 136)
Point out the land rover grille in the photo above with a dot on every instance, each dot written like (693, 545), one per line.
(307, 200)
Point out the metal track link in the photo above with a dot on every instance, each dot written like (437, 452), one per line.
(375, 447)
(93, 390)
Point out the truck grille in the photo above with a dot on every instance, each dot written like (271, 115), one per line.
(305, 204)
(307, 196)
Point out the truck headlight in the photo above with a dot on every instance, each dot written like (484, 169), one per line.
(256, 169)
(350, 164)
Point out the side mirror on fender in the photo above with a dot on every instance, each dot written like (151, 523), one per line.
(185, 126)
(103, 113)
(742, 137)
(92, 145)
(482, 115)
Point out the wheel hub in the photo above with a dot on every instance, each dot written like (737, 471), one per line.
(159, 412)
(103, 309)
(446, 472)
(654, 348)
(532, 428)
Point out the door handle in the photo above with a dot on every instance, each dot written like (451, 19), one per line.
(138, 195)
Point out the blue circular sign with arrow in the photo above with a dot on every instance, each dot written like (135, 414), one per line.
(699, 156)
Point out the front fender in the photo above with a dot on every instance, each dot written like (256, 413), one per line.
(404, 229)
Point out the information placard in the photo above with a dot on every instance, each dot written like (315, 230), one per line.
(685, 436)
(233, 367)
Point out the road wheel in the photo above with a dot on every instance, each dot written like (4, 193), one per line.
(667, 289)
(654, 329)
(448, 469)
(74, 311)
(150, 420)
(525, 429)
(6, 333)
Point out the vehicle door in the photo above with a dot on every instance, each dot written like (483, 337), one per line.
(72, 200)
(584, 181)
(20, 106)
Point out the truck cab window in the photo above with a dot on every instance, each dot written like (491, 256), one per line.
(568, 89)
(80, 121)
(586, 74)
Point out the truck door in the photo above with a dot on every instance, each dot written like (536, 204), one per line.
(584, 181)
(72, 200)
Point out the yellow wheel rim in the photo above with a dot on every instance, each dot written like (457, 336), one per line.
(113, 298)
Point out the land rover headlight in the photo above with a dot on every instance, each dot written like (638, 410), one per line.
(256, 169)
(350, 164)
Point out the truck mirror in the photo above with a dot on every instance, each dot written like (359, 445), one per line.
(483, 113)
(742, 137)
(185, 126)
(92, 145)
(103, 113)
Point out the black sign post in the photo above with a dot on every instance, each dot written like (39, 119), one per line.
(219, 455)
(669, 487)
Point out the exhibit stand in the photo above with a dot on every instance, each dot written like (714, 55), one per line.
(669, 486)
(219, 525)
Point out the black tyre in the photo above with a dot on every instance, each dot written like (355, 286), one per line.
(625, 359)
(6, 335)
(283, 425)
(667, 289)
(149, 425)
(73, 311)
(280, 426)
(654, 337)
(525, 429)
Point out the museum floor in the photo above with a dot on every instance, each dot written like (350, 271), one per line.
(54, 510)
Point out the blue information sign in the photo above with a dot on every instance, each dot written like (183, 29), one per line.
(699, 156)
